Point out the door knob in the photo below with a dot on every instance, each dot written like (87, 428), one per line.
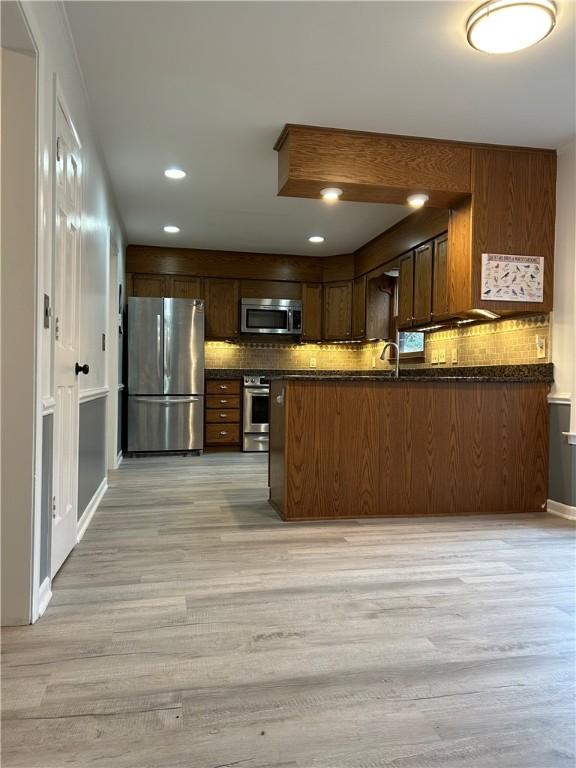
(82, 368)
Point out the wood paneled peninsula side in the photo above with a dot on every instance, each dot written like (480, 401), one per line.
(367, 446)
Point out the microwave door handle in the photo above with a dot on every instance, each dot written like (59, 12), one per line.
(290, 321)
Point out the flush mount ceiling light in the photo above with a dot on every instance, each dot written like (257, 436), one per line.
(505, 26)
(171, 229)
(331, 194)
(174, 173)
(418, 200)
(316, 239)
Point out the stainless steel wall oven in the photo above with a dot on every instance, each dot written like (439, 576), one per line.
(256, 425)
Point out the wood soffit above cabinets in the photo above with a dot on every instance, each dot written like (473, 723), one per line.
(376, 167)
(371, 167)
(501, 198)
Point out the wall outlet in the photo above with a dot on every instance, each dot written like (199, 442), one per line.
(454, 357)
(434, 357)
(312, 362)
(373, 361)
(441, 355)
(540, 347)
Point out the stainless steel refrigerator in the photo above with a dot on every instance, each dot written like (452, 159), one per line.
(165, 374)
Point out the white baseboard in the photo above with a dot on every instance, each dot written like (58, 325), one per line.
(84, 521)
(119, 459)
(561, 510)
(44, 596)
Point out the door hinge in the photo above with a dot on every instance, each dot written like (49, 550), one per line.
(57, 328)
(54, 506)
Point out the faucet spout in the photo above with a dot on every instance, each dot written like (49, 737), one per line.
(383, 356)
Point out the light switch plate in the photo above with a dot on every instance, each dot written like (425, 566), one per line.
(540, 347)
(373, 362)
(441, 355)
(312, 362)
(434, 357)
(454, 356)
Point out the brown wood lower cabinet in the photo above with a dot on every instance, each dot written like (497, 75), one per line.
(220, 434)
(356, 449)
(223, 413)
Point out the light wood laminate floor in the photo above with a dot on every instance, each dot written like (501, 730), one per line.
(192, 628)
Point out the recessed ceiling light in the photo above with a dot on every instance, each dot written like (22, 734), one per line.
(174, 173)
(505, 26)
(331, 194)
(171, 229)
(417, 201)
(316, 239)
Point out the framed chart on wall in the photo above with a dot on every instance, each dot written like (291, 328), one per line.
(512, 278)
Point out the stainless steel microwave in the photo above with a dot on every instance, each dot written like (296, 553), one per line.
(271, 316)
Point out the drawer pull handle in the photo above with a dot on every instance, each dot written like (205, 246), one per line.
(223, 402)
(223, 434)
(223, 386)
(222, 415)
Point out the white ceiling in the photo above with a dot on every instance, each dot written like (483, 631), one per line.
(209, 85)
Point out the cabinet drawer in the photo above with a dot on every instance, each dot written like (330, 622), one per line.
(222, 434)
(223, 386)
(220, 416)
(223, 401)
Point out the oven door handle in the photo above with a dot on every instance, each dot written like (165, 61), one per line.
(257, 390)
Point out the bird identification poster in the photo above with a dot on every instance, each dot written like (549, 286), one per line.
(512, 278)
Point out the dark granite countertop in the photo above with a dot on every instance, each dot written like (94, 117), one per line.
(543, 373)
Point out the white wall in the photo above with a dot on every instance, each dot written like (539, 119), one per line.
(57, 58)
(564, 315)
(57, 62)
(18, 330)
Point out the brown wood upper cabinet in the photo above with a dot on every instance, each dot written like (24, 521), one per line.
(222, 307)
(312, 312)
(150, 286)
(423, 284)
(185, 288)
(440, 299)
(359, 308)
(406, 291)
(380, 289)
(338, 310)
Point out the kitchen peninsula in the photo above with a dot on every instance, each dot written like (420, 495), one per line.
(348, 446)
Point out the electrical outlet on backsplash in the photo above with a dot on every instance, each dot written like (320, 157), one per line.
(498, 342)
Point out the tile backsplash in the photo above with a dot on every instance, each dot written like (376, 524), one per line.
(497, 342)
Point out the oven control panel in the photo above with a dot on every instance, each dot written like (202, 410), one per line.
(256, 381)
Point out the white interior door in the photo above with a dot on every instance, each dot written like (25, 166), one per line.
(66, 340)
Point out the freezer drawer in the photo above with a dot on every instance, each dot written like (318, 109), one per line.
(165, 423)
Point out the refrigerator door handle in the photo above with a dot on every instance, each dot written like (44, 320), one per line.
(165, 400)
(159, 345)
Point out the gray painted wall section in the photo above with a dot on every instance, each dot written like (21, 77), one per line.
(119, 423)
(46, 501)
(92, 450)
(562, 479)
